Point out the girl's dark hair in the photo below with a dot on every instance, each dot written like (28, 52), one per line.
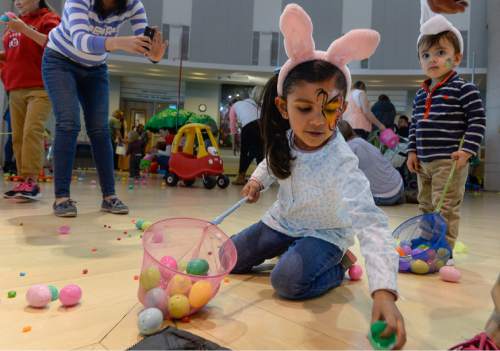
(120, 7)
(274, 127)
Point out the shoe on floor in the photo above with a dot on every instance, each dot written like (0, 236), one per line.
(65, 209)
(240, 180)
(114, 205)
(348, 260)
(480, 342)
(29, 189)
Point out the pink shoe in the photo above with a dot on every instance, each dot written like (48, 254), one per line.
(16, 190)
(480, 342)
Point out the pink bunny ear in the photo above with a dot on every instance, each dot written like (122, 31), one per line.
(356, 45)
(297, 28)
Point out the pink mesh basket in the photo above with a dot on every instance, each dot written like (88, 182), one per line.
(169, 246)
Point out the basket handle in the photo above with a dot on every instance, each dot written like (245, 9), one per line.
(448, 181)
(218, 220)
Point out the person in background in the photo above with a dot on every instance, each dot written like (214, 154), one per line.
(143, 136)
(385, 111)
(135, 151)
(386, 183)
(403, 126)
(358, 113)
(117, 130)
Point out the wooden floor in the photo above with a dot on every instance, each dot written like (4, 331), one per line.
(245, 314)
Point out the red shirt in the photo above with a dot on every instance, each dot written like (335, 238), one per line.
(23, 61)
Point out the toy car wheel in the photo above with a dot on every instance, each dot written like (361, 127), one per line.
(209, 182)
(171, 179)
(189, 182)
(222, 181)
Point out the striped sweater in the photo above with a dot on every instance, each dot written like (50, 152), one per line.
(452, 110)
(81, 35)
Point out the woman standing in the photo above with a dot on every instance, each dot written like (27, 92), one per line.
(75, 73)
(358, 113)
(24, 41)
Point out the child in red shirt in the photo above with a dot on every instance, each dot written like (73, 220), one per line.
(24, 41)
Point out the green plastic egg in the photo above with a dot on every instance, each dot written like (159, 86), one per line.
(150, 278)
(53, 292)
(419, 267)
(197, 266)
(442, 252)
(439, 264)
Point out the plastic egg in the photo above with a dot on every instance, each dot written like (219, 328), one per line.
(70, 295)
(460, 247)
(439, 264)
(450, 274)
(400, 251)
(423, 247)
(157, 237)
(150, 321)
(139, 221)
(197, 266)
(179, 284)
(145, 225)
(38, 296)
(443, 252)
(200, 294)
(178, 306)
(182, 266)
(53, 292)
(150, 278)
(406, 249)
(156, 297)
(419, 267)
(4, 18)
(355, 272)
(169, 262)
(431, 254)
(404, 265)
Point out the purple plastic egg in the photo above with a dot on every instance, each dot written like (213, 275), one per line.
(38, 296)
(404, 265)
(407, 250)
(70, 295)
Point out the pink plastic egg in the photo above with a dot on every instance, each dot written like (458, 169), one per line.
(170, 262)
(355, 272)
(64, 229)
(38, 296)
(70, 295)
(158, 238)
(450, 274)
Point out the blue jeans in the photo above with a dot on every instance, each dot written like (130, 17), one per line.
(70, 84)
(308, 266)
(397, 199)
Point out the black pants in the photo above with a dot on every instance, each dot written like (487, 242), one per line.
(252, 146)
(362, 133)
(115, 155)
(134, 164)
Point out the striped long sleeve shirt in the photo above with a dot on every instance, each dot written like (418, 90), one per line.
(81, 35)
(452, 110)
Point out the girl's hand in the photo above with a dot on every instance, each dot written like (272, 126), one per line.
(252, 190)
(158, 47)
(15, 24)
(385, 309)
(139, 44)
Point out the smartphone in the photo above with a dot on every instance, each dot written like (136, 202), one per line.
(149, 32)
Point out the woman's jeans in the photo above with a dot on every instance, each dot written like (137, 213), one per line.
(70, 85)
(308, 267)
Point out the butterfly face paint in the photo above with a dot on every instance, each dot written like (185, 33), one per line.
(331, 109)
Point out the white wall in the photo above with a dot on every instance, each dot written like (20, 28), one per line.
(203, 93)
(356, 14)
(177, 12)
(266, 14)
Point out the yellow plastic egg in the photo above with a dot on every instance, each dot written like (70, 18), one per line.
(419, 267)
(200, 294)
(178, 306)
(179, 284)
(150, 278)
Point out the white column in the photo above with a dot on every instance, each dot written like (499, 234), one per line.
(492, 167)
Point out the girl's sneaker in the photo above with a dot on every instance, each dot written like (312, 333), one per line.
(114, 205)
(28, 189)
(480, 342)
(65, 209)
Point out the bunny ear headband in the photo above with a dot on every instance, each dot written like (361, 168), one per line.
(438, 24)
(297, 29)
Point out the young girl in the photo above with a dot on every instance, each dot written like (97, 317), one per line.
(324, 199)
(24, 41)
